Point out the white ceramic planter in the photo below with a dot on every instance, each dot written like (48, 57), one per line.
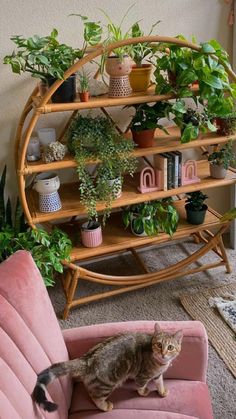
(217, 171)
(118, 184)
(46, 183)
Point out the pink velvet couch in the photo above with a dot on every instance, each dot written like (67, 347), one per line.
(31, 339)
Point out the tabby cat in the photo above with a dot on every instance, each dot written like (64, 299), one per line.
(140, 356)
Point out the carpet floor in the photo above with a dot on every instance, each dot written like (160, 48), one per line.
(158, 302)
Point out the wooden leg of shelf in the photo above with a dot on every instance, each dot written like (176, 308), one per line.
(71, 288)
(224, 255)
(139, 260)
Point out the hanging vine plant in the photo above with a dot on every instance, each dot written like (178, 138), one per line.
(96, 140)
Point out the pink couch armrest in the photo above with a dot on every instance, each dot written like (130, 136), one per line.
(191, 364)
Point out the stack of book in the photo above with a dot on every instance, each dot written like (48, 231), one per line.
(170, 166)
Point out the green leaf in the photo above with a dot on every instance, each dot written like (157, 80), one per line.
(229, 216)
(212, 81)
(186, 77)
(207, 48)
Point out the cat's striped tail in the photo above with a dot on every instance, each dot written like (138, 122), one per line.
(47, 376)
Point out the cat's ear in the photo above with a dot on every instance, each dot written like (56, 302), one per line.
(157, 329)
(178, 336)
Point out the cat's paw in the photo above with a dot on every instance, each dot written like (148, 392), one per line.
(164, 392)
(143, 391)
(109, 406)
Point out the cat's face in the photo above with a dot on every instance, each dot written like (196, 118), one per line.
(166, 346)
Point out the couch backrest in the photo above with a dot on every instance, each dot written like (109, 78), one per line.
(30, 341)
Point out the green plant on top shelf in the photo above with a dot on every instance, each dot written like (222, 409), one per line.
(142, 50)
(48, 249)
(42, 57)
(151, 217)
(190, 121)
(178, 67)
(97, 140)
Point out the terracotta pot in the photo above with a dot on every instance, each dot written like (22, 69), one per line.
(217, 171)
(139, 77)
(226, 126)
(84, 96)
(91, 237)
(144, 139)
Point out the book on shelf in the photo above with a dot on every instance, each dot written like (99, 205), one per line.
(178, 181)
(160, 163)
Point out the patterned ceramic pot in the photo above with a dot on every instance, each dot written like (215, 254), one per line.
(49, 202)
(46, 183)
(117, 67)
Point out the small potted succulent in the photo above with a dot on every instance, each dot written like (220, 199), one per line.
(195, 207)
(141, 72)
(151, 217)
(190, 121)
(145, 122)
(220, 161)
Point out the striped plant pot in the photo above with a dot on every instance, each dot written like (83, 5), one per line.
(91, 237)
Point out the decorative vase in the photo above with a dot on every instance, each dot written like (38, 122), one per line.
(217, 171)
(66, 92)
(49, 202)
(91, 237)
(195, 217)
(145, 138)
(46, 183)
(139, 77)
(118, 70)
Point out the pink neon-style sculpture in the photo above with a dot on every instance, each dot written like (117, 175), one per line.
(189, 172)
(149, 180)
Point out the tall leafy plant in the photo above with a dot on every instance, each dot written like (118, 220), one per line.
(48, 249)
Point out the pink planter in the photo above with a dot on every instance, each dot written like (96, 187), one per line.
(91, 237)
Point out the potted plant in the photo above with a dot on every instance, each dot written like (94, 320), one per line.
(83, 86)
(91, 233)
(145, 122)
(151, 217)
(96, 141)
(220, 161)
(195, 207)
(141, 72)
(48, 249)
(190, 121)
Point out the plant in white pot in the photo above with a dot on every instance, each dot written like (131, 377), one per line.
(151, 217)
(220, 161)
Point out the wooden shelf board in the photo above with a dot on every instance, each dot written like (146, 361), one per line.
(164, 143)
(71, 205)
(116, 238)
(102, 101)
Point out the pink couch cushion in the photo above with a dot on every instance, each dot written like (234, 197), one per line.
(194, 345)
(30, 338)
(190, 398)
(130, 414)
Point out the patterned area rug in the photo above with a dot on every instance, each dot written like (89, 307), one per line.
(220, 334)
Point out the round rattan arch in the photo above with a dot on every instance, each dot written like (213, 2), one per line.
(38, 106)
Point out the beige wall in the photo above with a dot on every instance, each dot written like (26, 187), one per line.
(205, 19)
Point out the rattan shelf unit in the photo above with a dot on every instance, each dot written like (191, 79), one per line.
(116, 239)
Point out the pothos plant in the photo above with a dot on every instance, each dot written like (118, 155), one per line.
(152, 217)
(96, 140)
(47, 249)
(208, 67)
(190, 121)
(224, 156)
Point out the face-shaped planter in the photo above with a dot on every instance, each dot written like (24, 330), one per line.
(46, 183)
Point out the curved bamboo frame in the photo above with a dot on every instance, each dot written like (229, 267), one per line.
(74, 272)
